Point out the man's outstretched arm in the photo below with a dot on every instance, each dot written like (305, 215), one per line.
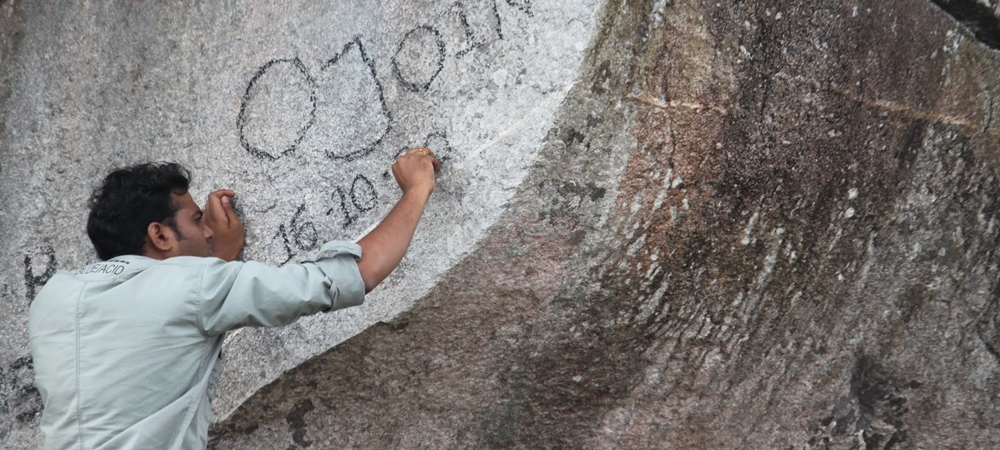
(383, 248)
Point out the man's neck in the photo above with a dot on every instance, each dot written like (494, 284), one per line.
(155, 254)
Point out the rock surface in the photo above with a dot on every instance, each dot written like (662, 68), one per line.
(711, 225)
(300, 108)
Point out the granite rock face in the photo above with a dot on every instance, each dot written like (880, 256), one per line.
(799, 253)
(664, 224)
(300, 107)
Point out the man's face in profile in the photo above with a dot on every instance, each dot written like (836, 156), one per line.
(192, 233)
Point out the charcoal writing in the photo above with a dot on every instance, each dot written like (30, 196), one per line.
(523, 5)
(31, 281)
(474, 37)
(338, 195)
(283, 234)
(354, 116)
(345, 107)
(438, 143)
(302, 234)
(266, 101)
(337, 109)
(363, 195)
(285, 105)
(419, 58)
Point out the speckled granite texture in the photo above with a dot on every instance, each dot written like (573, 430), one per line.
(661, 224)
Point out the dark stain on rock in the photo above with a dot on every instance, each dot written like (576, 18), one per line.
(882, 400)
(571, 136)
(398, 324)
(577, 237)
(906, 154)
(587, 190)
(19, 396)
(763, 58)
(602, 78)
(216, 437)
(874, 409)
(915, 299)
(977, 17)
(297, 422)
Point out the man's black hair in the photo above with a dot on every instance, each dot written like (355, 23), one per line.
(131, 198)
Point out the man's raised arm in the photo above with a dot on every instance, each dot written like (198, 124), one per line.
(383, 248)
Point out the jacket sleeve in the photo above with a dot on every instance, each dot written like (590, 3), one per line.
(237, 294)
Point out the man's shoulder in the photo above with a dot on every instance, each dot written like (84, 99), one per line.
(192, 261)
(123, 268)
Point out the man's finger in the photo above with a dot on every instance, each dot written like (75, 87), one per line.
(226, 201)
(214, 209)
(424, 151)
(222, 193)
(231, 214)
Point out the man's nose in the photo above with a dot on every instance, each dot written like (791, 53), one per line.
(208, 231)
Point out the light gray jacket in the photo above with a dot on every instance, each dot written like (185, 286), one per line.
(125, 351)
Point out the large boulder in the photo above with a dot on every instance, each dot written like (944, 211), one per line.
(661, 224)
(301, 109)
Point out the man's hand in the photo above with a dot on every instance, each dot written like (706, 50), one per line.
(382, 249)
(414, 171)
(227, 229)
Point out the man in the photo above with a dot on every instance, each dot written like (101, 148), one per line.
(126, 351)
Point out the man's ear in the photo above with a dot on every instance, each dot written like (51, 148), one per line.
(159, 237)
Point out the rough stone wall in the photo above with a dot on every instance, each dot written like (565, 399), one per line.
(800, 253)
(300, 107)
(753, 224)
